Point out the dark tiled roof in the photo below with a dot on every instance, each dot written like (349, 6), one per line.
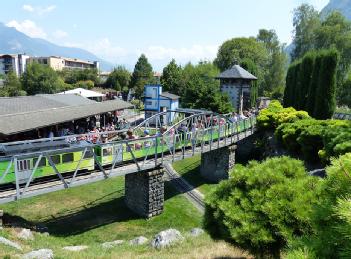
(45, 112)
(236, 72)
(14, 105)
(170, 96)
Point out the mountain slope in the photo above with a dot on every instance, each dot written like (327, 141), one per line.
(343, 6)
(13, 41)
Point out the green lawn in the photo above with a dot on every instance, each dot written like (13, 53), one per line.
(189, 169)
(96, 213)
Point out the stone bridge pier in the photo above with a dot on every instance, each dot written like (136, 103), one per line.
(144, 192)
(216, 164)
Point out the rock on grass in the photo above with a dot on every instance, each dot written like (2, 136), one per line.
(10, 243)
(39, 254)
(166, 238)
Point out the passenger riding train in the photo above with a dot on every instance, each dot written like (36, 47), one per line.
(66, 153)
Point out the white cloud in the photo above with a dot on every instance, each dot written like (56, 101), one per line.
(28, 8)
(194, 53)
(40, 10)
(28, 27)
(60, 34)
(104, 48)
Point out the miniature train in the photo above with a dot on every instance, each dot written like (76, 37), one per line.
(67, 156)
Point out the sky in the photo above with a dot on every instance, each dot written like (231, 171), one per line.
(119, 31)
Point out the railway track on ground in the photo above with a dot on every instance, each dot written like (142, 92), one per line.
(184, 187)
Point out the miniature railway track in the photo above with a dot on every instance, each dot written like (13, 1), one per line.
(184, 187)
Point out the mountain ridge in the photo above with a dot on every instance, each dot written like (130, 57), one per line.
(14, 41)
(343, 6)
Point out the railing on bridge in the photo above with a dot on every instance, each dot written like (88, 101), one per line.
(46, 165)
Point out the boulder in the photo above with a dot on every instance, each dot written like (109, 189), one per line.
(112, 243)
(25, 234)
(39, 254)
(10, 243)
(75, 248)
(138, 241)
(166, 238)
(196, 232)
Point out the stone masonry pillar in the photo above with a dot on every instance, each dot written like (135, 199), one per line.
(216, 164)
(144, 192)
(1, 215)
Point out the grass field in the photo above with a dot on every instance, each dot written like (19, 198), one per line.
(189, 169)
(93, 214)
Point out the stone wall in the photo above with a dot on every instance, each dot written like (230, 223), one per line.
(144, 192)
(215, 164)
(1, 215)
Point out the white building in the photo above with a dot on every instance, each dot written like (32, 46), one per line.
(60, 63)
(92, 95)
(13, 62)
(236, 83)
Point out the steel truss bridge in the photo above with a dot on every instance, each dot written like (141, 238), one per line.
(190, 132)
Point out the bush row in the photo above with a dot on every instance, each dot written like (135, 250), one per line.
(300, 133)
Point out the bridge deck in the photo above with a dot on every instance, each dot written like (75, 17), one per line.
(122, 169)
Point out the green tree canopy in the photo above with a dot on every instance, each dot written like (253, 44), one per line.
(41, 79)
(274, 77)
(141, 76)
(235, 50)
(305, 21)
(73, 76)
(118, 78)
(202, 89)
(12, 86)
(172, 78)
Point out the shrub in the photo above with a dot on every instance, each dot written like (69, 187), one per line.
(262, 206)
(275, 115)
(331, 217)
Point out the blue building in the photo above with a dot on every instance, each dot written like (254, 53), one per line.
(156, 101)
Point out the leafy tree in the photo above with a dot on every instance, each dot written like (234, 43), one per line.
(345, 92)
(202, 89)
(335, 32)
(41, 79)
(262, 206)
(250, 66)
(274, 78)
(172, 78)
(235, 50)
(325, 102)
(12, 86)
(118, 78)
(141, 76)
(305, 21)
(87, 84)
(73, 76)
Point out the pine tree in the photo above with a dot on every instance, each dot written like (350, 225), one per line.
(250, 66)
(305, 75)
(141, 76)
(312, 90)
(325, 102)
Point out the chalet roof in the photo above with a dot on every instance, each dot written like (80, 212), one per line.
(236, 72)
(20, 114)
(170, 96)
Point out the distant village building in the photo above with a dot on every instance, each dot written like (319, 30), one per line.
(13, 62)
(59, 63)
(156, 101)
(236, 83)
(92, 95)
